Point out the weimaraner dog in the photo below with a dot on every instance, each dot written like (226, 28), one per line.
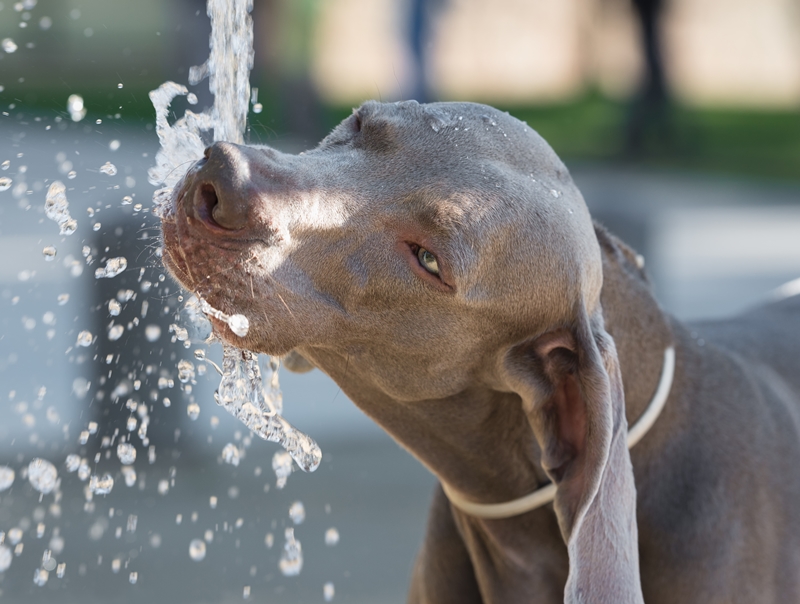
(438, 262)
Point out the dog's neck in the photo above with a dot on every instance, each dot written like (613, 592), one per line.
(634, 319)
(479, 442)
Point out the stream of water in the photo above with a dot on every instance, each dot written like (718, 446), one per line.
(249, 387)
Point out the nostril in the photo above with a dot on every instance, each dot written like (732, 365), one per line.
(209, 196)
(207, 201)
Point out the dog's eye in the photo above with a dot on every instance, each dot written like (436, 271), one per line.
(428, 261)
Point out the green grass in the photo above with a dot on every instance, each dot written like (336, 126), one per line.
(750, 143)
(761, 144)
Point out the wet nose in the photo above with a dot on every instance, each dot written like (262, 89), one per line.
(221, 185)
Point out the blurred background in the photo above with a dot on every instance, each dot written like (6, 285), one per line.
(679, 119)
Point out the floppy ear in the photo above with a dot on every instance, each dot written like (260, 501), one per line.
(571, 388)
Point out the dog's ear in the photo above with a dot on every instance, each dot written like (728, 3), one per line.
(571, 388)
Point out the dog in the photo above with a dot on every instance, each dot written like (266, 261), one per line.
(439, 263)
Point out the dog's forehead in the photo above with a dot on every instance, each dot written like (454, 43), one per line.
(469, 128)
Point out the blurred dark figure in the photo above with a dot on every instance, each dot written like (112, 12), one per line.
(283, 34)
(649, 116)
(421, 15)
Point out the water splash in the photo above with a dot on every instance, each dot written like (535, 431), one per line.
(56, 208)
(228, 71)
(242, 394)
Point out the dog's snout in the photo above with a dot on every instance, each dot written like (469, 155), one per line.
(220, 194)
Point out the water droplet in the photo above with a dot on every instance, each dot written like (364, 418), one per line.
(258, 108)
(127, 200)
(40, 576)
(113, 267)
(6, 478)
(297, 512)
(152, 333)
(331, 537)
(239, 325)
(108, 168)
(193, 410)
(133, 577)
(75, 107)
(230, 454)
(72, 462)
(555, 193)
(126, 453)
(291, 562)
(131, 424)
(328, 591)
(185, 371)
(15, 535)
(282, 465)
(197, 549)
(114, 308)
(129, 473)
(49, 253)
(191, 98)
(63, 299)
(56, 208)
(8, 45)
(84, 338)
(5, 558)
(5, 165)
(115, 332)
(114, 145)
(42, 475)
(101, 485)
(212, 503)
(5, 183)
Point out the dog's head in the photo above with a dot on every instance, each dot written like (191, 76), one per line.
(425, 251)
(415, 240)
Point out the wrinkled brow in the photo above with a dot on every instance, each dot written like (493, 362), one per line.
(448, 213)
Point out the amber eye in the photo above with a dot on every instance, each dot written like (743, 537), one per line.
(428, 261)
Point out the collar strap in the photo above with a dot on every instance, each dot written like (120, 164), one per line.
(546, 494)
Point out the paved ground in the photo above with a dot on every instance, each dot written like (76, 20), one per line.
(713, 246)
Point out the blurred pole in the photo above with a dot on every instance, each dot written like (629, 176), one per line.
(648, 115)
(420, 19)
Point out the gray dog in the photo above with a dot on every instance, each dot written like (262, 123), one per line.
(438, 262)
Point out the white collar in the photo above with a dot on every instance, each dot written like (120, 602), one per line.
(546, 494)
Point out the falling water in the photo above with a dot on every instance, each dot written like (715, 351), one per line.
(241, 391)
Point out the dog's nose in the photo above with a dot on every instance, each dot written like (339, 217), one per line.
(222, 184)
